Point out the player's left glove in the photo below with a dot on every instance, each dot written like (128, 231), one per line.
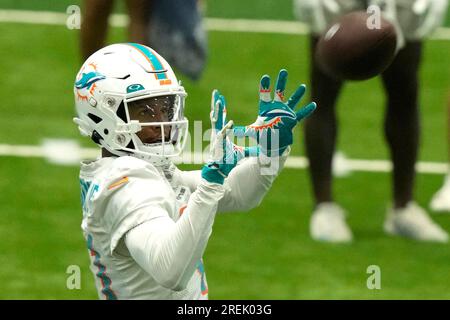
(431, 13)
(276, 118)
(224, 154)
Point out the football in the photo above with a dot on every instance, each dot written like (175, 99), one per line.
(352, 49)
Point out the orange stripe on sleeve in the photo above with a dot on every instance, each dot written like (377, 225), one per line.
(118, 183)
(181, 210)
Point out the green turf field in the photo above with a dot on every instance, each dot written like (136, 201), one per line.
(264, 254)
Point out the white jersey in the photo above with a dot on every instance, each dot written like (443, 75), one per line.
(146, 230)
(413, 23)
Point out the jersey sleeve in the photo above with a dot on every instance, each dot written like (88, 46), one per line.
(246, 185)
(169, 251)
(249, 182)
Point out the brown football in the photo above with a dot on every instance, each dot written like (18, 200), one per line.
(350, 50)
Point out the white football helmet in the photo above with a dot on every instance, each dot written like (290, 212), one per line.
(109, 82)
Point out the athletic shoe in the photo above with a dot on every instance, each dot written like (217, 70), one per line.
(328, 224)
(413, 222)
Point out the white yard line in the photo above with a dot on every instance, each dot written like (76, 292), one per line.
(211, 24)
(61, 153)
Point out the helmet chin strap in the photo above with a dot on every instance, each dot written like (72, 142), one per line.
(159, 154)
(154, 153)
(149, 153)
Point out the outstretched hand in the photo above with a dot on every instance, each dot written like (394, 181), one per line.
(224, 154)
(276, 118)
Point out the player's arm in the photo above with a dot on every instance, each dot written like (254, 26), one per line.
(233, 197)
(168, 250)
(249, 182)
(245, 187)
(137, 213)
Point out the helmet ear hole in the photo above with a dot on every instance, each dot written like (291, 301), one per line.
(121, 112)
(96, 137)
(94, 118)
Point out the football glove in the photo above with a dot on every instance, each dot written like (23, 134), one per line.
(276, 118)
(224, 154)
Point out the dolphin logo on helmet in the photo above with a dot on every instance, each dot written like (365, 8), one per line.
(88, 79)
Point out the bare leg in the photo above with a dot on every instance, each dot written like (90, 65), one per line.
(402, 119)
(139, 13)
(94, 25)
(320, 130)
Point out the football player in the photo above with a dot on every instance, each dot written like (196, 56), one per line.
(414, 21)
(147, 223)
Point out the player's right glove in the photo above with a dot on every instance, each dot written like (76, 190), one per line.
(224, 154)
(276, 118)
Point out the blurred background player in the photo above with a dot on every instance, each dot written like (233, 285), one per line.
(176, 31)
(441, 200)
(415, 20)
(172, 27)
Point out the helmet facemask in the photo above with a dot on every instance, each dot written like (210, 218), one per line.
(156, 125)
